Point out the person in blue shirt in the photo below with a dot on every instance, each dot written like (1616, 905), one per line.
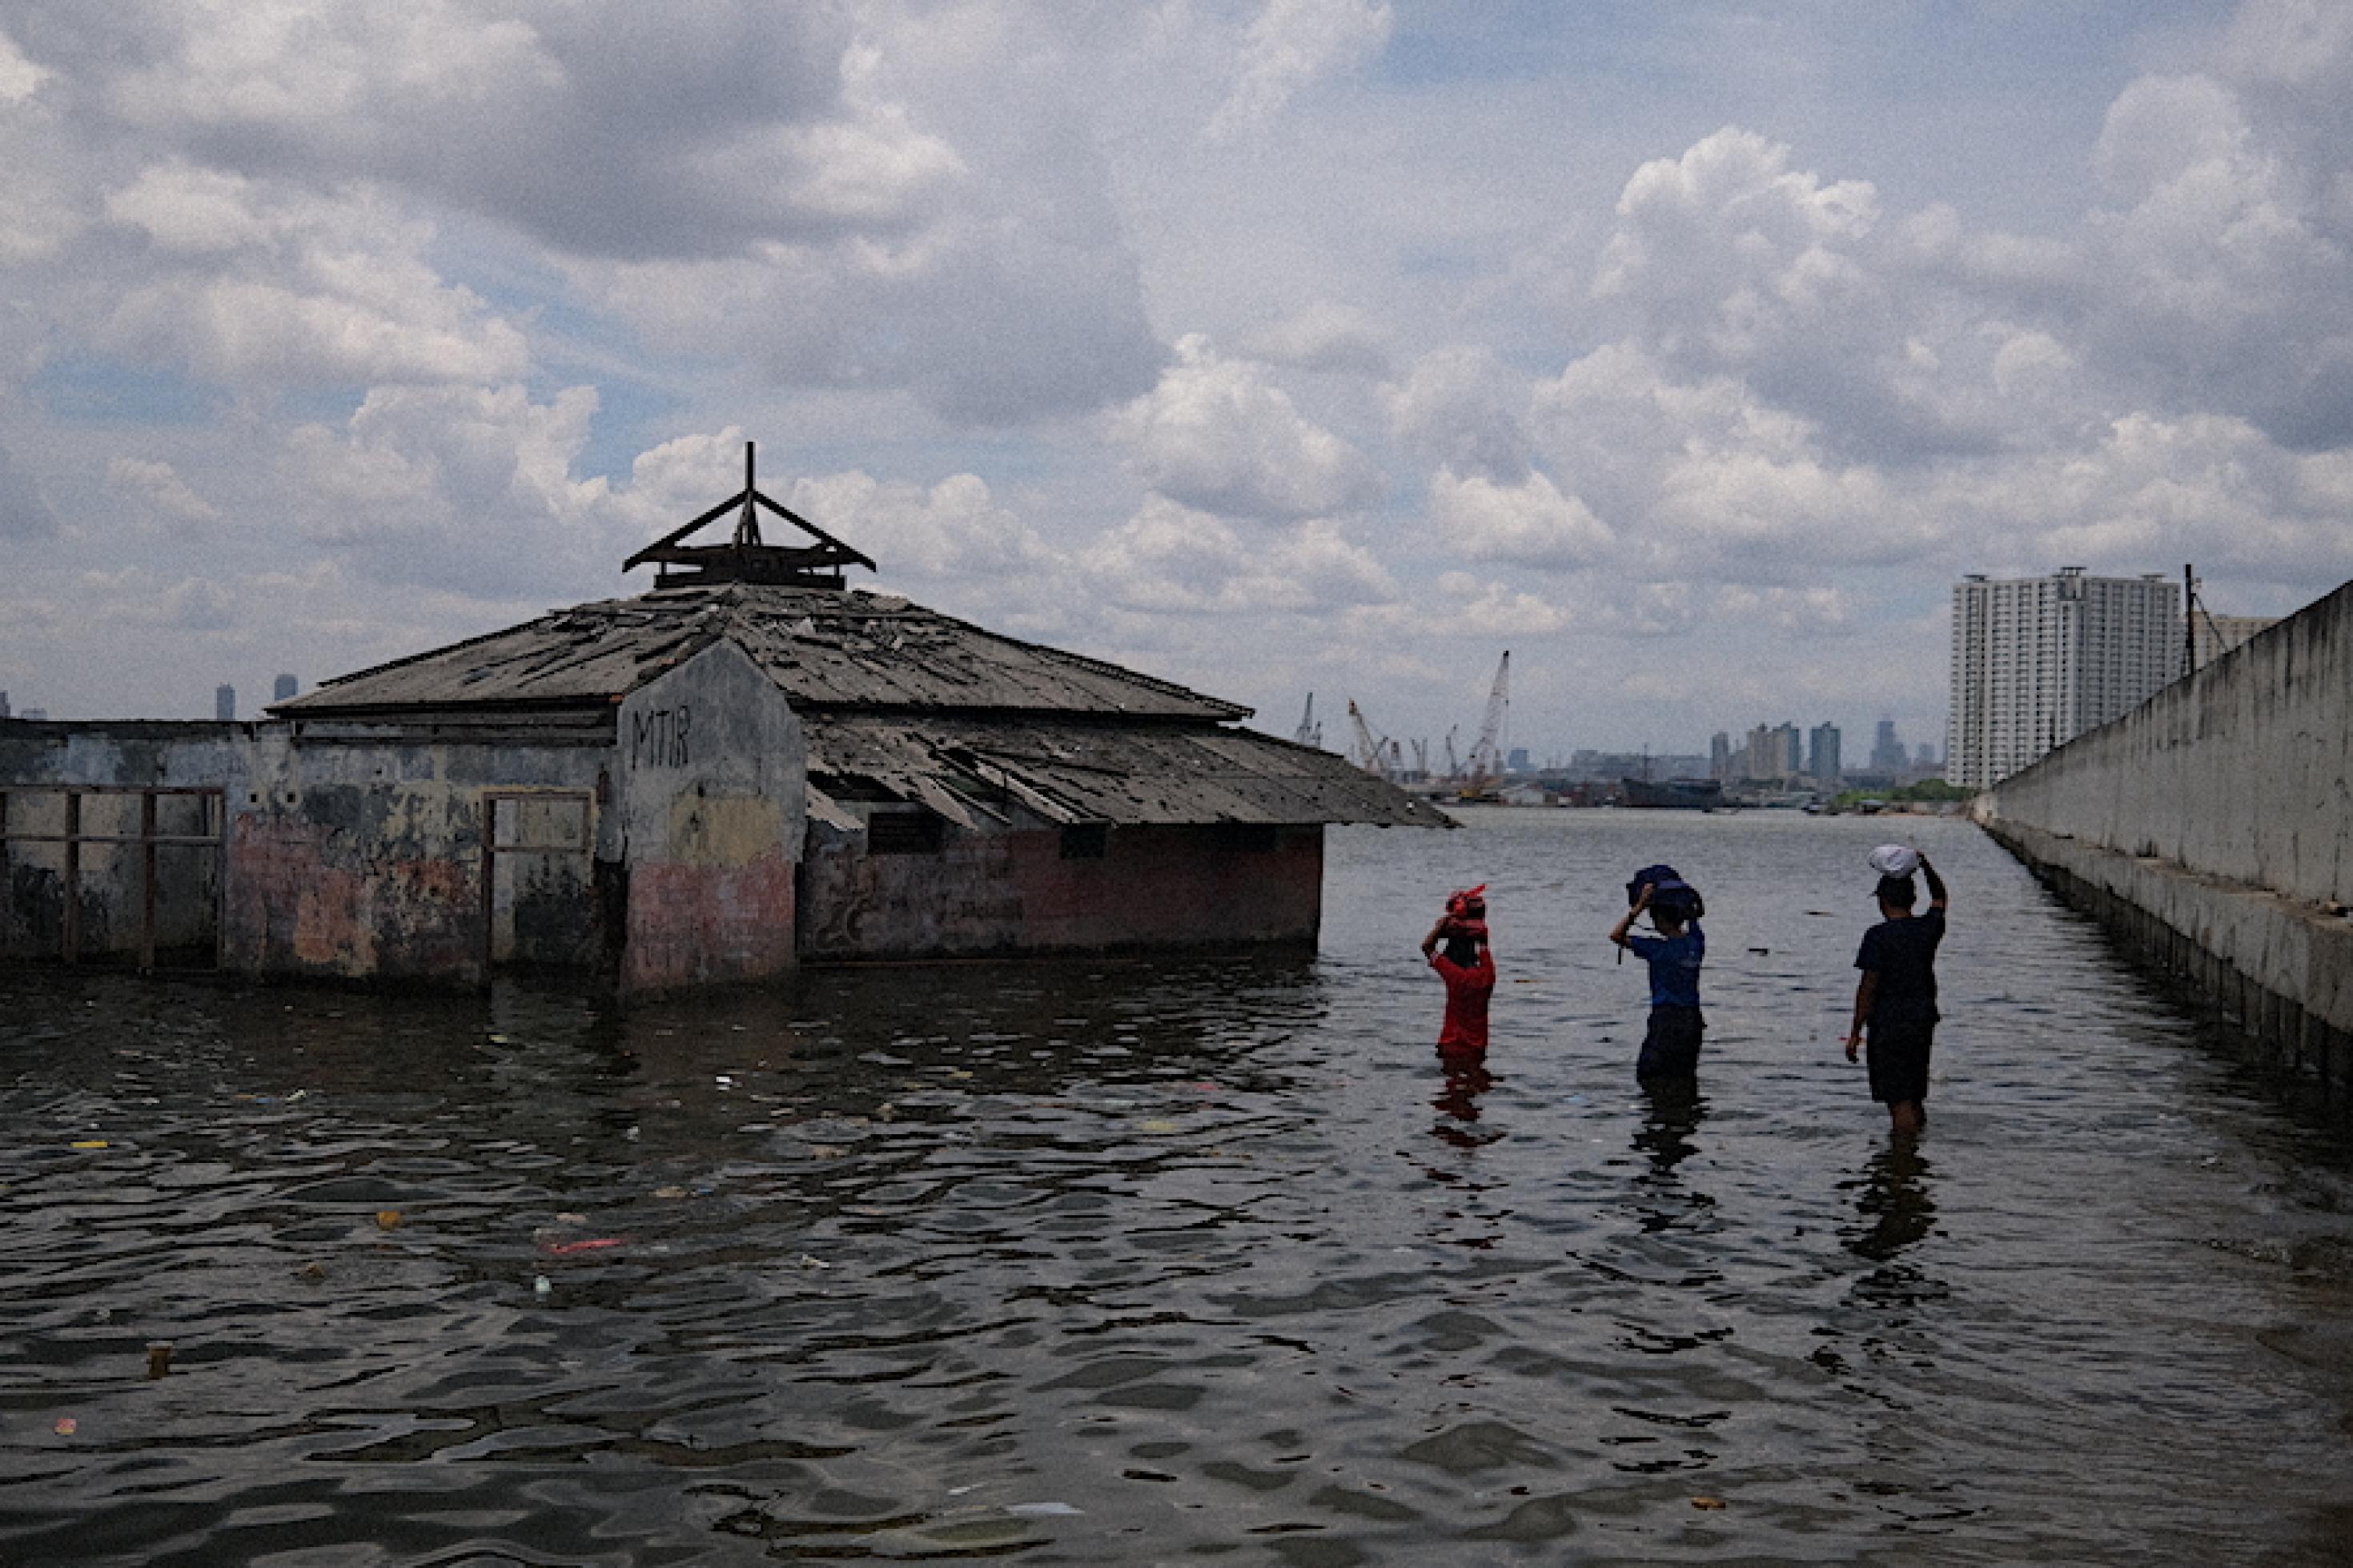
(1671, 1046)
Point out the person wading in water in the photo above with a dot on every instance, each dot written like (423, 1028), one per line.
(1468, 967)
(1895, 1001)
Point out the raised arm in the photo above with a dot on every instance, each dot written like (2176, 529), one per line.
(1430, 944)
(1626, 921)
(1937, 899)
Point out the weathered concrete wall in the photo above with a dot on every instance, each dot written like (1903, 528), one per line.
(112, 878)
(2212, 826)
(353, 858)
(998, 892)
(711, 798)
(2241, 771)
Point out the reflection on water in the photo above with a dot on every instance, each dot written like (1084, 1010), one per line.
(1085, 1262)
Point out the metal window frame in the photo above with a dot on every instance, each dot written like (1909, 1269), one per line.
(147, 838)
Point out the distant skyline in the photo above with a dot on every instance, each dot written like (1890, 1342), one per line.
(1691, 352)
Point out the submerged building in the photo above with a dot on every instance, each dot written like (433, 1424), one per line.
(750, 767)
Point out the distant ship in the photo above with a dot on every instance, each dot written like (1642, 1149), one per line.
(1676, 795)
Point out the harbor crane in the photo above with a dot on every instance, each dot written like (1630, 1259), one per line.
(1310, 732)
(1367, 750)
(1486, 765)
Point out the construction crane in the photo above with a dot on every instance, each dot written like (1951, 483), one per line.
(1310, 732)
(1487, 751)
(1367, 750)
(1453, 761)
(1421, 759)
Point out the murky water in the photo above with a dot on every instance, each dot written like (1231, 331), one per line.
(1150, 1262)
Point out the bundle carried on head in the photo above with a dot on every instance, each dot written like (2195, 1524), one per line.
(1671, 897)
(1466, 913)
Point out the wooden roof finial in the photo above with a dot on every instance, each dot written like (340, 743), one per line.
(746, 558)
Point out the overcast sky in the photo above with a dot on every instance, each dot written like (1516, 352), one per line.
(1690, 351)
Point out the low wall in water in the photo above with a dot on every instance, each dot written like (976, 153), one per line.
(2211, 828)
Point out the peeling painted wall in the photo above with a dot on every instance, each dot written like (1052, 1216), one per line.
(711, 793)
(993, 892)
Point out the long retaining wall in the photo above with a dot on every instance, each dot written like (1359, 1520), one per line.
(2212, 828)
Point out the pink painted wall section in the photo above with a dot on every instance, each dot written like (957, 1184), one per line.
(304, 900)
(694, 925)
(1014, 892)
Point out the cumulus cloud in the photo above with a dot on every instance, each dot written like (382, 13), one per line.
(462, 489)
(1171, 559)
(1477, 608)
(159, 487)
(951, 529)
(1217, 434)
(1325, 336)
(1292, 44)
(1530, 522)
(1460, 407)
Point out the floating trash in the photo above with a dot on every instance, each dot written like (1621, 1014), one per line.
(90, 1143)
(65, 1427)
(387, 1219)
(590, 1243)
(1711, 1504)
(540, 1288)
(159, 1360)
(669, 1192)
(1049, 1509)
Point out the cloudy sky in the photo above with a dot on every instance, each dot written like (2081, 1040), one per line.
(1690, 351)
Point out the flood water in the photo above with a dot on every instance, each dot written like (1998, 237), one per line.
(1153, 1262)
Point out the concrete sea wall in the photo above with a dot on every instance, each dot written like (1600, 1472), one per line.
(2212, 828)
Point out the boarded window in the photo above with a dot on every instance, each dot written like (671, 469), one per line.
(1086, 841)
(907, 830)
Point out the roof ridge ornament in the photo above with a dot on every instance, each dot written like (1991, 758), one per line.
(746, 558)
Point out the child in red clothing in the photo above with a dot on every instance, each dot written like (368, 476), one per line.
(1469, 970)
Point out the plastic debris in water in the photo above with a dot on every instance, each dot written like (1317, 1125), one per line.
(387, 1219)
(1711, 1504)
(314, 1269)
(808, 1262)
(90, 1143)
(566, 1248)
(1043, 1508)
(159, 1360)
(669, 1192)
(66, 1427)
(540, 1288)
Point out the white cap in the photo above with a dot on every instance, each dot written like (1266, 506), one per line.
(1896, 859)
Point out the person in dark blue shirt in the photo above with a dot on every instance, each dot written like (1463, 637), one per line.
(1895, 1001)
(1670, 1053)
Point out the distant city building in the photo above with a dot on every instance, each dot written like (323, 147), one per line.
(284, 689)
(2036, 661)
(1823, 753)
(1887, 755)
(225, 703)
(1925, 757)
(1775, 754)
(1516, 761)
(3, 705)
(1719, 758)
(2212, 636)
(35, 714)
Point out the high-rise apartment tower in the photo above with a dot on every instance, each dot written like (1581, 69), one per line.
(2039, 660)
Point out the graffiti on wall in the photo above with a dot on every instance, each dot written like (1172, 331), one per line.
(658, 737)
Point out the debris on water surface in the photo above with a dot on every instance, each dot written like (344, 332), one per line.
(588, 1244)
(314, 1269)
(1054, 1510)
(90, 1143)
(808, 1262)
(1711, 1504)
(540, 1288)
(387, 1219)
(66, 1427)
(159, 1360)
(669, 1192)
